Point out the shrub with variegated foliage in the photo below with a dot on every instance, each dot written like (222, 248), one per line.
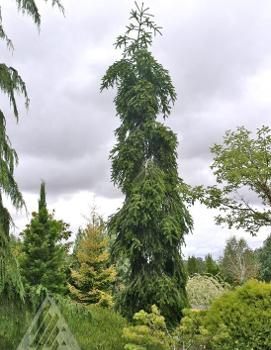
(203, 289)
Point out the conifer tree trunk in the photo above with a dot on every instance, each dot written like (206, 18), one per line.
(151, 225)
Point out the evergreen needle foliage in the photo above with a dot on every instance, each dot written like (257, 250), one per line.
(93, 276)
(151, 225)
(264, 258)
(11, 84)
(9, 274)
(43, 261)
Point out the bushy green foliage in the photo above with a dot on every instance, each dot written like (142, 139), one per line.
(241, 319)
(194, 265)
(149, 333)
(264, 258)
(43, 260)
(151, 225)
(191, 334)
(9, 272)
(211, 266)
(11, 285)
(197, 265)
(202, 290)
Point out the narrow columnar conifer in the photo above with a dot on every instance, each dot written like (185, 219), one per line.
(151, 225)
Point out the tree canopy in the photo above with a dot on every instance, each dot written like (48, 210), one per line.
(242, 166)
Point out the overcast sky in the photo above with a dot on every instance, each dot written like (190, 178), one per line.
(219, 57)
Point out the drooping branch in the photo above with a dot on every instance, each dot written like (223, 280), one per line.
(30, 8)
(10, 84)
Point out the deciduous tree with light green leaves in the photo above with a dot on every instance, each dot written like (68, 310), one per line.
(11, 84)
(151, 225)
(239, 262)
(242, 166)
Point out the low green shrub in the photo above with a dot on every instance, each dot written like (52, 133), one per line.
(241, 319)
(149, 332)
(191, 333)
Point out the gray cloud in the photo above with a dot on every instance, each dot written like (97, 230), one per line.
(213, 50)
(210, 51)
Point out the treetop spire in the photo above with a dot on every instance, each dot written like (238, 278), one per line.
(42, 200)
(139, 32)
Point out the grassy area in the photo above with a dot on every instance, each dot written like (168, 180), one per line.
(99, 329)
(14, 320)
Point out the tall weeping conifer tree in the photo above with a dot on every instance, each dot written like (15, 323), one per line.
(151, 225)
